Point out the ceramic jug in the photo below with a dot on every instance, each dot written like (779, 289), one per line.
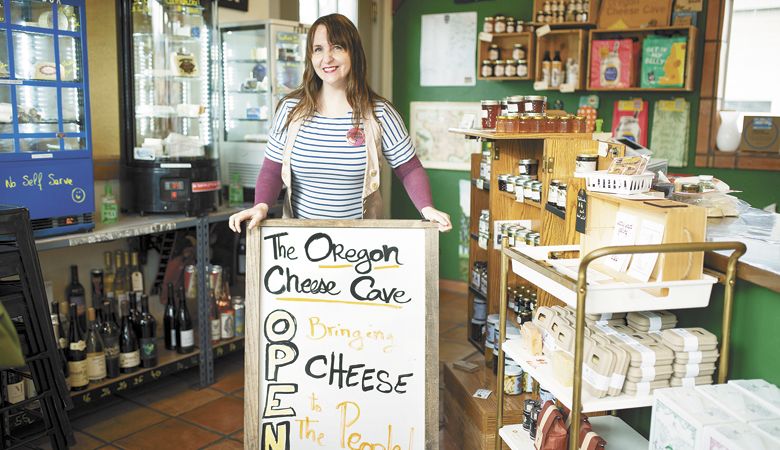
(728, 136)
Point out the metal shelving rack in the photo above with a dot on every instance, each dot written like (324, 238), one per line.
(580, 286)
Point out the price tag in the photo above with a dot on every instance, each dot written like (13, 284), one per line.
(603, 149)
(581, 218)
(486, 37)
(480, 183)
(541, 31)
(483, 393)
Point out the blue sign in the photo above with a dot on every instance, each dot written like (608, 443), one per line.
(52, 188)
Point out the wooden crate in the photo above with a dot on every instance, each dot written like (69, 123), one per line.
(506, 42)
(592, 15)
(570, 43)
(682, 223)
(640, 34)
(472, 421)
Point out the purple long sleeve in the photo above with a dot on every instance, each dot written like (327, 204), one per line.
(269, 183)
(415, 181)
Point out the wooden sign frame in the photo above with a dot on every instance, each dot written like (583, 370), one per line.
(253, 397)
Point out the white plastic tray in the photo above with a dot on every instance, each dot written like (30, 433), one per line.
(613, 297)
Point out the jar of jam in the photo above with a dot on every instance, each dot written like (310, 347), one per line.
(498, 68)
(527, 166)
(565, 124)
(494, 52)
(501, 124)
(580, 125)
(561, 200)
(518, 51)
(510, 68)
(504, 106)
(487, 25)
(487, 69)
(550, 124)
(536, 191)
(510, 25)
(490, 110)
(522, 68)
(515, 104)
(535, 104)
(522, 123)
(527, 190)
(585, 163)
(499, 24)
(510, 184)
(513, 126)
(502, 182)
(535, 124)
(552, 192)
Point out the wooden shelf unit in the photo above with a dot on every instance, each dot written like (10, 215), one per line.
(570, 43)
(479, 201)
(640, 34)
(506, 42)
(556, 155)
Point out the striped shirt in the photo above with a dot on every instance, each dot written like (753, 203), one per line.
(328, 172)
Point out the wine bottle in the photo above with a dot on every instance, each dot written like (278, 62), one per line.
(14, 387)
(74, 294)
(148, 326)
(129, 355)
(169, 319)
(96, 356)
(120, 278)
(77, 356)
(63, 341)
(185, 335)
(108, 272)
(128, 272)
(110, 334)
(96, 283)
(214, 317)
(136, 276)
(135, 315)
(227, 315)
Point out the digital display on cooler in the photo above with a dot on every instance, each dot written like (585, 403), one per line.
(173, 185)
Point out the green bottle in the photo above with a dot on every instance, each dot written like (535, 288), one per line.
(235, 190)
(109, 212)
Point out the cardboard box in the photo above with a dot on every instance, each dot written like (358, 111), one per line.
(680, 417)
(622, 14)
(612, 63)
(663, 61)
(760, 134)
(761, 391)
(738, 436)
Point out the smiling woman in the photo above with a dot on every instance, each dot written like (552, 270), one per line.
(325, 141)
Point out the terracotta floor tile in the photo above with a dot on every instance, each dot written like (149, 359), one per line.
(175, 398)
(225, 415)
(230, 381)
(168, 434)
(83, 442)
(238, 436)
(226, 444)
(118, 421)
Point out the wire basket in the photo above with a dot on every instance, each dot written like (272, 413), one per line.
(601, 181)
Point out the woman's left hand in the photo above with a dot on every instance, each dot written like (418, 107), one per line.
(439, 217)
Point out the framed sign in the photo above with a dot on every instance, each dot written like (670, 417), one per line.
(342, 335)
(241, 5)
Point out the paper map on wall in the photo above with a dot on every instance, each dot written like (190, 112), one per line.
(448, 49)
(436, 147)
(669, 134)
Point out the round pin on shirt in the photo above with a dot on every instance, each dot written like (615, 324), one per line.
(356, 137)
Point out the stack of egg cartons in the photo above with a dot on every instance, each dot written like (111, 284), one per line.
(651, 321)
(695, 354)
(650, 363)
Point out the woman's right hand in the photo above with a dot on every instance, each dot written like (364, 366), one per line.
(255, 215)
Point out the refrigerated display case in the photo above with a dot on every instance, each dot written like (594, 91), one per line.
(169, 74)
(45, 136)
(261, 63)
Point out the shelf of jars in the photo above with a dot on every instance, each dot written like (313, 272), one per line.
(505, 56)
(565, 13)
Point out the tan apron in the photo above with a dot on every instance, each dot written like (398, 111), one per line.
(372, 199)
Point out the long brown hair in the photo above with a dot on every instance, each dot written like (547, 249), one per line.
(341, 31)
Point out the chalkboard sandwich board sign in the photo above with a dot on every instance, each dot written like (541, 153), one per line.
(342, 335)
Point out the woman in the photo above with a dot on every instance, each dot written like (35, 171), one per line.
(321, 150)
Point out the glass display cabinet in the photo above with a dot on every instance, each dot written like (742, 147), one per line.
(261, 63)
(45, 141)
(168, 72)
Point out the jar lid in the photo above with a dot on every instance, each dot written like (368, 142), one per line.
(489, 18)
(478, 299)
(493, 45)
(587, 157)
(528, 161)
(489, 102)
(493, 318)
(510, 61)
(521, 61)
(518, 45)
(502, 117)
(516, 98)
(579, 118)
(537, 116)
(503, 177)
(535, 98)
(499, 17)
(555, 182)
(477, 322)
(562, 186)
(486, 61)
(553, 117)
(510, 19)
(513, 371)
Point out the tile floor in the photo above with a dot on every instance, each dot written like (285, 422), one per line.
(176, 413)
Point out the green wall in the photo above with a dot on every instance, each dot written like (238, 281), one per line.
(406, 88)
